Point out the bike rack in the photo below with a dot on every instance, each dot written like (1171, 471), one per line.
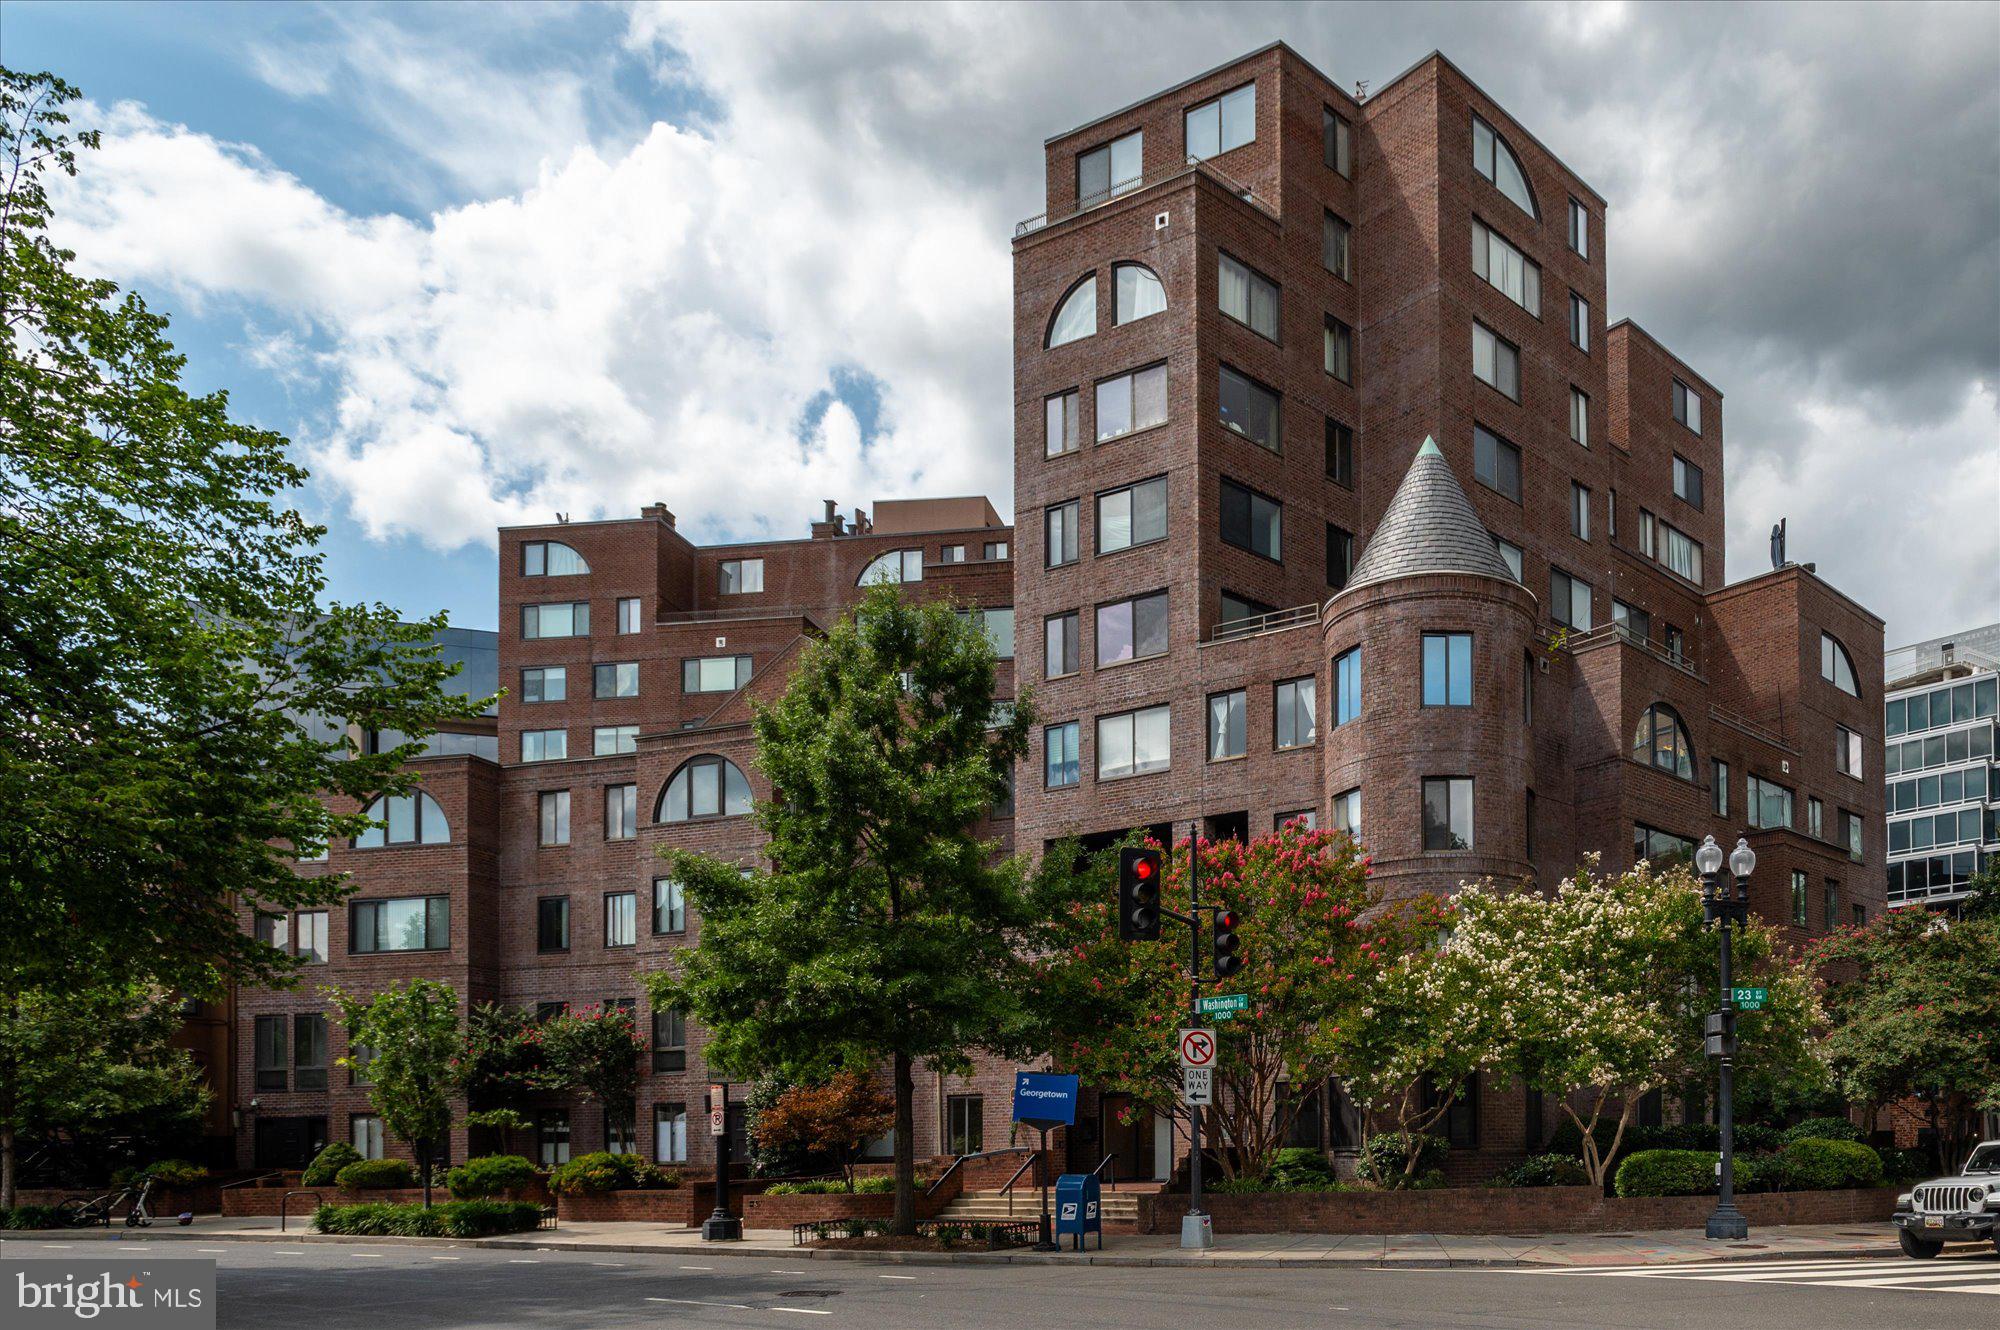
(285, 1201)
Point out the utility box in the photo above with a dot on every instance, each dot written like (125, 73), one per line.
(1079, 1208)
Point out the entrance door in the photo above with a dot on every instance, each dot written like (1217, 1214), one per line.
(1131, 1141)
(289, 1142)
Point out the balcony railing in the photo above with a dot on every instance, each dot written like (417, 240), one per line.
(1146, 181)
(1276, 621)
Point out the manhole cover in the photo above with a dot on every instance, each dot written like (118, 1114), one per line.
(810, 1293)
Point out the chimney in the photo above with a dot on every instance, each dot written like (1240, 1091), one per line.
(658, 512)
(830, 525)
(862, 526)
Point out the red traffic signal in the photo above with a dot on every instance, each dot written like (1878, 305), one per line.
(1227, 962)
(1138, 894)
(1142, 869)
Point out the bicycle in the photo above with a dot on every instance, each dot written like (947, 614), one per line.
(78, 1212)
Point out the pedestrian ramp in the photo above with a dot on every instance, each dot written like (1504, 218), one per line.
(1962, 1274)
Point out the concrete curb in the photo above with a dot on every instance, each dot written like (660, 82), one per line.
(1224, 1260)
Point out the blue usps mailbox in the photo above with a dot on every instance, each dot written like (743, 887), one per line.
(1079, 1208)
(1043, 1100)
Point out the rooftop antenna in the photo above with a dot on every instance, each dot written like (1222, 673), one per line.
(1778, 543)
(562, 519)
(1361, 90)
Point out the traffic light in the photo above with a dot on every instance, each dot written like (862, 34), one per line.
(1139, 895)
(1227, 962)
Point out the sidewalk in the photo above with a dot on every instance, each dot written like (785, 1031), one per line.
(1397, 1250)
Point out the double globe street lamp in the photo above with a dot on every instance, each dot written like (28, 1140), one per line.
(1725, 909)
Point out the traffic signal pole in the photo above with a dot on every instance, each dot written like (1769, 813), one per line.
(1196, 1230)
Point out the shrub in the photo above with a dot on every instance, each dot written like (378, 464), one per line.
(1297, 1169)
(1826, 1165)
(177, 1173)
(31, 1216)
(455, 1219)
(1544, 1171)
(1384, 1156)
(326, 1165)
(878, 1183)
(490, 1175)
(376, 1175)
(1820, 1129)
(592, 1173)
(1666, 1173)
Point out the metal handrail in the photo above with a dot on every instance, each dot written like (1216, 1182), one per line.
(245, 1182)
(983, 1154)
(284, 1202)
(1008, 1189)
(1122, 188)
(1108, 1159)
(1276, 620)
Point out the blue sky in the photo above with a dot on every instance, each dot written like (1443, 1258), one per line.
(483, 263)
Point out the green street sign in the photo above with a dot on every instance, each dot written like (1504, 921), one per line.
(1750, 999)
(1227, 1002)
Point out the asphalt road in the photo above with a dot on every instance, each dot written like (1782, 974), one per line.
(330, 1287)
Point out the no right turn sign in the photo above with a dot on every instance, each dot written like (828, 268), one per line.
(1197, 1048)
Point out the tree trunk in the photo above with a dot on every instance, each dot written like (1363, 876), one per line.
(904, 1219)
(424, 1168)
(8, 1164)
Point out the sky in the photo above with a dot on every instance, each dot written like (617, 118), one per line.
(484, 264)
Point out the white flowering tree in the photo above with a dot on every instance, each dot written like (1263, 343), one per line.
(1600, 990)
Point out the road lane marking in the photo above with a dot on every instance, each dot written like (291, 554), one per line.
(895, 1276)
(610, 1265)
(696, 1302)
(697, 1267)
(803, 1311)
(524, 1260)
(447, 1258)
(371, 1255)
(790, 1272)
(212, 1250)
(60, 1246)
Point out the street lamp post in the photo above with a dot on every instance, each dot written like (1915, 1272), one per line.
(1725, 909)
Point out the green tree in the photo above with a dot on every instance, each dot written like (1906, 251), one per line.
(1313, 940)
(503, 1058)
(1915, 1009)
(415, 1059)
(90, 1062)
(885, 929)
(173, 680)
(592, 1053)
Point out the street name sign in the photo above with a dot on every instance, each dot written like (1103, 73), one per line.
(1224, 1004)
(1750, 999)
(1197, 1047)
(1197, 1086)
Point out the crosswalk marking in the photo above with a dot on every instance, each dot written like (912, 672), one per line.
(1961, 1275)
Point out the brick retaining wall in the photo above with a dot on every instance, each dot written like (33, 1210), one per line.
(1510, 1210)
(203, 1198)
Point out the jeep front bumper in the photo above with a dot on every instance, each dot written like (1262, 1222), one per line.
(1974, 1226)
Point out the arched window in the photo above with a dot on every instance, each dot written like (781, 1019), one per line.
(705, 786)
(550, 558)
(1076, 317)
(895, 566)
(1662, 741)
(1138, 291)
(1492, 158)
(407, 819)
(1836, 666)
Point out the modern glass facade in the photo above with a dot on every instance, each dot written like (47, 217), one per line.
(1941, 783)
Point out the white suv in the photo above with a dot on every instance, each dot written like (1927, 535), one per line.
(1961, 1209)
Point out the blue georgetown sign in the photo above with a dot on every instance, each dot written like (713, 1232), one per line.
(1044, 1100)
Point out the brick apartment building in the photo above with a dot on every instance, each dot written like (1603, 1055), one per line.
(1337, 498)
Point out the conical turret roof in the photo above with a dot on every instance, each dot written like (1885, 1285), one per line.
(1430, 527)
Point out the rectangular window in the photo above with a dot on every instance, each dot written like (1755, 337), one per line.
(364, 1132)
(1579, 511)
(995, 549)
(1647, 525)
(610, 740)
(1659, 846)
(998, 625)
(1506, 269)
(1131, 402)
(1687, 406)
(1228, 122)
(965, 1124)
(309, 1052)
(669, 906)
(1235, 609)
(1063, 419)
(1132, 743)
(1830, 905)
(1680, 554)
(1349, 813)
(621, 812)
(1496, 361)
(1336, 135)
(619, 680)
(714, 674)
(544, 745)
(1579, 228)
(1447, 812)
(1720, 787)
(1248, 407)
(311, 946)
(1060, 653)
(1496, 463)
(1768, 804)
(619, 1136)
(1132, 629)
(552, 923)
(669, 1040)
(1295, 713)
(274, 930)
(1611, 515)
(1579, 322)
(1510, 554)
(548, 683)
(1569, 600)
(1246, 295)
(1847, 751)
(410, 923)
(670, 1133)
(1250, 521)
(1060, 543)
(1335, 239)
(1799, 897)
(621, 918)
(1636, 624)
(628, 614)
(1105, 172)
(1338, 350)
(1579, 417)
(1226, 725)
(1447, 669)
(273, 1061)
(1339, 453)
(1687, 481)
(554, 818)
(1967, 830)
(1339, 556)
(547, 558)
(1134, 515)
(1062, 755)
(552, 1136)
(951, 554)
(741, 577)
(1815, 818)
(360, 1061)
(1347, 686)
(565, 619)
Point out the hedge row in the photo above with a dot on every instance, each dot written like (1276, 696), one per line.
(1804, 1165)
(875, 1184)
(454, 1219)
